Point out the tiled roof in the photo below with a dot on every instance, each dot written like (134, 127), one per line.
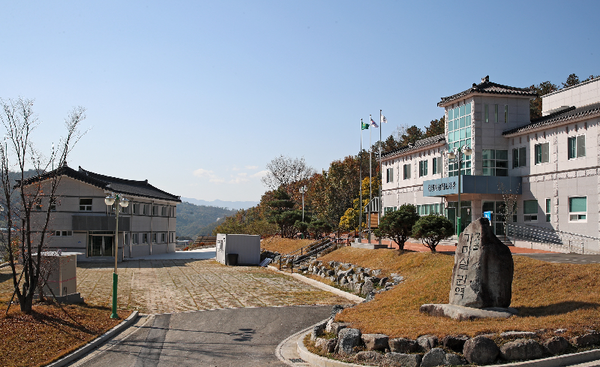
(113, 184)
(564, 115)
(419, 144)
(489, 88)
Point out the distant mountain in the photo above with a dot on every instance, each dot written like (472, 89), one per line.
(222, 204)
(194, 220)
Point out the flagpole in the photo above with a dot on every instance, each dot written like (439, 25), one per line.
(380, 172)
(370, 179)
(360, 184)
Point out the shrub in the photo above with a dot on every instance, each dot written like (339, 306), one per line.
(431, 229)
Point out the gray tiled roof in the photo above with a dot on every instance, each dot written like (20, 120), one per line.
(564, 115)
(419, 144)
(489, 88)
(108, 183)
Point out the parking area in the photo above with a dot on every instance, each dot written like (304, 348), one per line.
(179, 285)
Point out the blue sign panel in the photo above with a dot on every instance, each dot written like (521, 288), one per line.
(441, 187)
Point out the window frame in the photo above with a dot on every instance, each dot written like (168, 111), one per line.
(530, 216)
(548, 210)
(575, 147)
(539, 156)
(581, 216)
(406, 171)
(85, 207)
(423, 167)
(389, 175)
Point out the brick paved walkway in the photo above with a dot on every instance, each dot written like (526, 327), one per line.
(163, 286)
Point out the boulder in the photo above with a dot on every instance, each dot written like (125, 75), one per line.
(518, 334)
(435, 357)
(326, 345)
(480, 350)
(367, 287)
(348, 339)
(454, 360)
(483, 269)
(336, 327)
(393, 359)
(522, 350)
(375, 341)
(557, 345)
(426, 342)
(318, 330)
(455, 342)
(369, 357)
(404, 345)
(586, 340)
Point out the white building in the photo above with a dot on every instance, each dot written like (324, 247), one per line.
(551, 163)
(82, 222)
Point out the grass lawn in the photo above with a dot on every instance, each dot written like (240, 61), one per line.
(49, 332)
(548, 296)
(283, 245)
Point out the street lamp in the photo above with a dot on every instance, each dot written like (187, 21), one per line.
(303, 191)
(120, 202)
(458, 153)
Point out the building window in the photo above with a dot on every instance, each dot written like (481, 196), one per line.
(519, 157)
(496, 113)
(163, 211)
(487, 113)
(548, 209)
(542, 153)
(135, 208)
(134, 238)
(430, 209)
(145, 238)
(494, 162)
(85, 205)
(459, 126)
(390, 175)
(154, 210)
(406, 171)
(505, 113)
(577, 209)
(576, 146)
(436, 164)
(63, 233)
(144, 210)
(124, 209)
(423, 168)
(163, 237)
(530, 210)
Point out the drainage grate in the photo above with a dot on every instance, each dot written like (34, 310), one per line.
(297, 360)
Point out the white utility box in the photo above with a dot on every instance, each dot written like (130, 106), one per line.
(61, 269)
(238, 249)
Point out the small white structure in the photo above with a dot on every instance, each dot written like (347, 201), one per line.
(238, 249)
(61, 268)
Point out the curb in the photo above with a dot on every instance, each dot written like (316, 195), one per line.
(557, 361)
(4, 264)
(315, 283)
(96, 342)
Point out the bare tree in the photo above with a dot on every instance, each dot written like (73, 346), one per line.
(509, 208)
(27, 205)
(284, 171)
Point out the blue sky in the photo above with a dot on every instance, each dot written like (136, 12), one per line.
(198, 96)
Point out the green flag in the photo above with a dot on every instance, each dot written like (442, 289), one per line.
(363, 126)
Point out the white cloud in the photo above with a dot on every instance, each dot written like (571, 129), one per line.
(260, 174)
(252, 167)
(202, 173)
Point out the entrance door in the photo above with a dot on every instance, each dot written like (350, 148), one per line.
(497, 208)
(99, 245)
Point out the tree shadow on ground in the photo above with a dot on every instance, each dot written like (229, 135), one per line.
(556, 309)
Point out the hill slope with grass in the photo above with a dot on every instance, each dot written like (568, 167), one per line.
(548, 296)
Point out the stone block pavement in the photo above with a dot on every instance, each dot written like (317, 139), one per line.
(179, 285)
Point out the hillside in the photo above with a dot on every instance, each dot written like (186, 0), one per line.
(194, 220)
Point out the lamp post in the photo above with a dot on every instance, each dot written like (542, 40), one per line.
(458, 153)
(119, 201)
(303, 191)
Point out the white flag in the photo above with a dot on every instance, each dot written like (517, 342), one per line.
(383, 119)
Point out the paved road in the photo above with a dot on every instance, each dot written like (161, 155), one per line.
(565, 258)
(229, 337)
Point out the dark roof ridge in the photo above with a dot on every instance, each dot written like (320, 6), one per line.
(421, 143)
(562, 116)
(488, 87)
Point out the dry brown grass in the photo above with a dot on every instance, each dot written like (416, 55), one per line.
(283, 245)
(49, 333)
(549, 296)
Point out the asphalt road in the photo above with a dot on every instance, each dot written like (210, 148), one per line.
(228, 337)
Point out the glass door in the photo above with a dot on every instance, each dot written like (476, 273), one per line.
(100, 245)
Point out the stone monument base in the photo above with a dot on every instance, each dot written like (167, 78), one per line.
(462, 313)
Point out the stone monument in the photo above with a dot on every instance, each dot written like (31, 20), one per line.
(481, 278)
